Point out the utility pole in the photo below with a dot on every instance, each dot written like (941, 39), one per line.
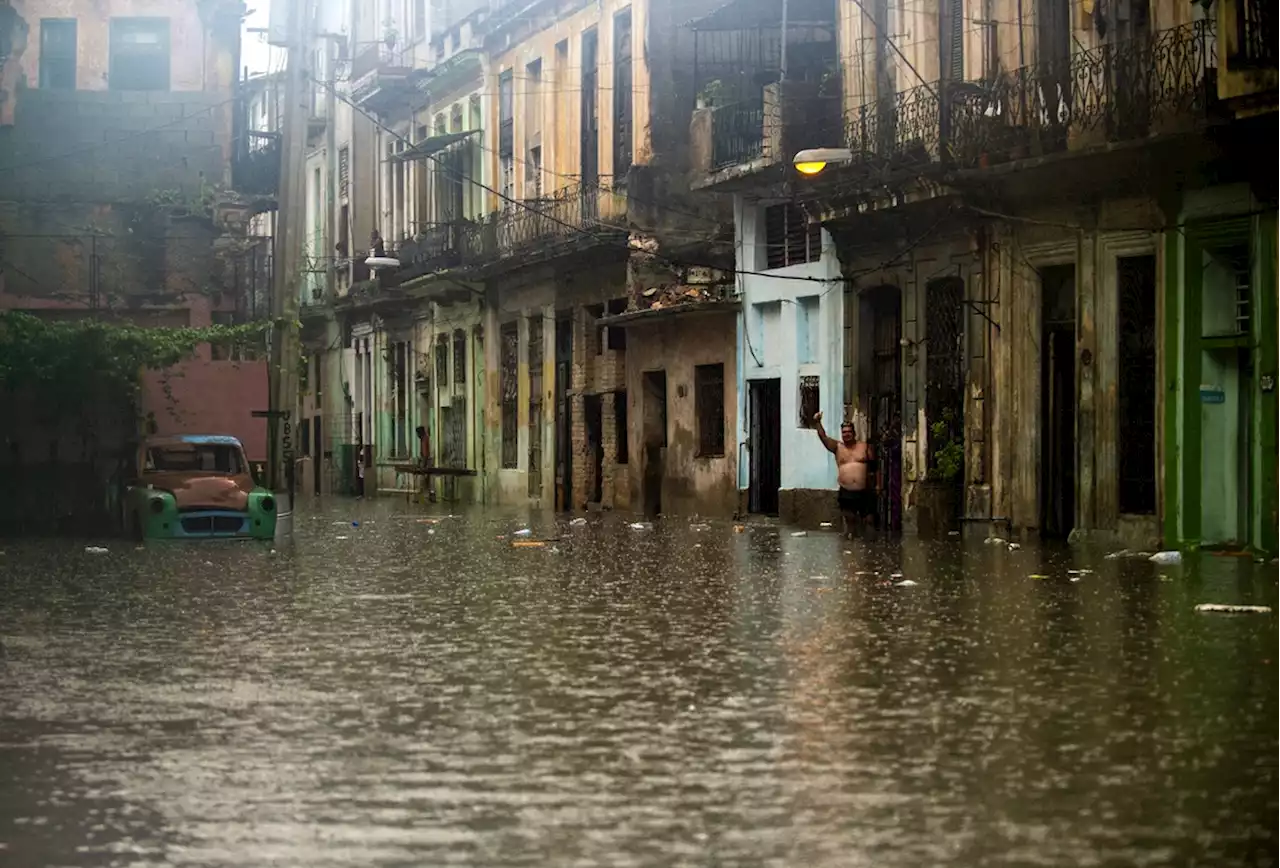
(285, 348)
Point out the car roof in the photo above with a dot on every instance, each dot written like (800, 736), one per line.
(194, 440)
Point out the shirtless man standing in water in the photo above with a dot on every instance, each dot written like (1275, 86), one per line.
(857, 499)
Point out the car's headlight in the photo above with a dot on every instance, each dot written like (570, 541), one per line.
(157, 505)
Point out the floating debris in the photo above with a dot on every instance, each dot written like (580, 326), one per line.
(824, 524)
(995, 541)
(95, 550)
(1166, 558)
(577, 522)
(1036, 576)
(524, 531)
(1226, 609)
(640, 525)
(1013, 547)
(800, 533)
(906, 583)
(527, 544)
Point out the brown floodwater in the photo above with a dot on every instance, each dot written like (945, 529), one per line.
(411, 693)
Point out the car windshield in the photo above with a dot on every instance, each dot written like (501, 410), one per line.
(203, 457)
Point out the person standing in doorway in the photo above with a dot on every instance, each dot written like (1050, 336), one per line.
(856, 496)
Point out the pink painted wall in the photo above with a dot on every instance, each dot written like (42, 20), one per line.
(211, 397)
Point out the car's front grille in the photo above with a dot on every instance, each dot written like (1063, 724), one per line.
(212, 524)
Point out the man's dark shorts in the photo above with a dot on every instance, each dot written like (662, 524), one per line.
(857, 503)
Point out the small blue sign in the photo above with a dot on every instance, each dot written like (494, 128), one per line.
(1212, 395)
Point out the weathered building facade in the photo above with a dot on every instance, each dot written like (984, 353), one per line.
(1012, 219)
(119, 138)
(530, 185)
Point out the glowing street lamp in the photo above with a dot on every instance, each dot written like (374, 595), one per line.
(812, 161)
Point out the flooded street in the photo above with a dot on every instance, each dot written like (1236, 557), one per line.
(407, 693)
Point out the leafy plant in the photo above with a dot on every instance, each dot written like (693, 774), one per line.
(71, 363)
(948, 457)
(713, 93)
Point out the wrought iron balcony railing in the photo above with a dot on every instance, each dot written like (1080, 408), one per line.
(737, 133)
(436, 248)
(573, 217)
(1109, 94)
(255, 164)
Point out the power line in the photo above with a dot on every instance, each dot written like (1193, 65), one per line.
(520, 204)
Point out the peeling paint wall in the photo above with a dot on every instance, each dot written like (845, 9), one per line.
(692, 483)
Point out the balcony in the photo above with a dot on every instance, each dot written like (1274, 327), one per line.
(750, 142)
(382, 79)
(438, 248)
(571, 220)
(749, 112)
(255, 165)
(1106, 96)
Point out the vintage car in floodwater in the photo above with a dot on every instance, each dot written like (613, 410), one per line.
(197, 487)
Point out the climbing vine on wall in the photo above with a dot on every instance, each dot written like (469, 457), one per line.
(69, 363)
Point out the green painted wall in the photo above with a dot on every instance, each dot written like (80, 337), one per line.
(1220, 423)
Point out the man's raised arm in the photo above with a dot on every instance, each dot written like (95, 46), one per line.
(822, 433)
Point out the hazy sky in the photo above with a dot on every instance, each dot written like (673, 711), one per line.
(254, 51)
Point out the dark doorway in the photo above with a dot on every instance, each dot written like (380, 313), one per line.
(1136, 286)
(1058, 401)
(593, 421)
(881, 312)
(564, 413)
(654, 415)
(765, 474)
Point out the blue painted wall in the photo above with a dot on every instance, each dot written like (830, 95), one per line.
(791, 326)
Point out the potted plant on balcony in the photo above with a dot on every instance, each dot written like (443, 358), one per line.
(713, 94)
(938, 496)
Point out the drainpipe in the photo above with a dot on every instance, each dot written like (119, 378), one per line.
(782, 73)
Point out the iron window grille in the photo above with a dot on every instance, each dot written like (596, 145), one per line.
(790, 238)
(510, 389)
(708, 399)
(810, 400)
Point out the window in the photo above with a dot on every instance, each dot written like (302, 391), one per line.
(459, 357)
(1255, 35)
(790, 238)
(398, 386)
(442, 360)
(455, 118)
(344, 172)
(616, 337)
(58, 53)
(708, 402)
(506, 136)
(620, 424)
(810, 400)
(533, 174)
(622, 95)
(509, 385)
(139, 54)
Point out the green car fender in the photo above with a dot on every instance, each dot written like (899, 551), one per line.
(262, 509)
(154, 513)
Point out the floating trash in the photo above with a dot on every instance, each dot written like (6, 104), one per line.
(1013, 547)
(577, 522)
(1166, 558)
(824, 524)
(527, 544)
(906, 583)
(800, 533)
(524, 531)
(95, 550)
(1225, 609)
